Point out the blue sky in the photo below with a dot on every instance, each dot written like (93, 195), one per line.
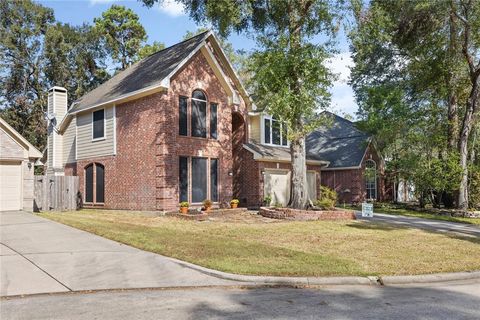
(168, 24)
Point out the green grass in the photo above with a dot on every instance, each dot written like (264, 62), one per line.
(315, 248)
(418, 214)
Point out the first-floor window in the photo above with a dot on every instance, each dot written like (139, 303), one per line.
(95, 183)
(198, 179)
(371, 179)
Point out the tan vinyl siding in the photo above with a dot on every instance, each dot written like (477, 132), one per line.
(255, 131)
(86, 147)
(60, 105)
(69, 142)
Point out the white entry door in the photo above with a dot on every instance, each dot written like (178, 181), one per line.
(277, 186)
(10, 186)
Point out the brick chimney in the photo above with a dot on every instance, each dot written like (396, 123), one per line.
(57, 108)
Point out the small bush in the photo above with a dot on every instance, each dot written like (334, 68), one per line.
(328, 198)
(184, 204)
(325, 204)
(267, 200)
(235, 201)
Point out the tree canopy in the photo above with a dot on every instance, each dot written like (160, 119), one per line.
(289, 77)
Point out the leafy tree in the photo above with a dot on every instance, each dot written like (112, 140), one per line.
(150, 49)
(123, 33)
(23, 25)
(432, 84)
(74, 59)
(290, 79)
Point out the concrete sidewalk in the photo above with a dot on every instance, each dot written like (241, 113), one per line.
(41, 256)
(461, 229)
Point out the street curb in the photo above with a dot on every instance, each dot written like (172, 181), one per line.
(369, 280)
(430, 278)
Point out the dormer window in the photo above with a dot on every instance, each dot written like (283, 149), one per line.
(274, 132)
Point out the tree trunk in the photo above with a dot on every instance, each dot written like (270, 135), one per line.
(463, 144)
(299, 185)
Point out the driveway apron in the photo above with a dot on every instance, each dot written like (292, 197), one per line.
(41, 256)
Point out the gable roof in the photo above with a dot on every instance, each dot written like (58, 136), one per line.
(146, 73)
(32, 151)
(340, 144)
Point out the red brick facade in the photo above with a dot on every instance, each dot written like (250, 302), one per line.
(350, 183)
(144, 173)
(252, 178)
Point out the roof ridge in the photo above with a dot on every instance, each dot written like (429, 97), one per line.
(138, 62)
(176, 44)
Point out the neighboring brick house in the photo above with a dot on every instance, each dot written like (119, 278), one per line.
(176, 126)
(156, 133)
(337, 157)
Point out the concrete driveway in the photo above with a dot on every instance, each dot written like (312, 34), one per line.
(41, 256)
(461, 229)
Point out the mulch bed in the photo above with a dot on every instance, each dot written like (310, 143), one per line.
(306, 215)
(205, 215)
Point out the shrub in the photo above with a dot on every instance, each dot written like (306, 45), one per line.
(475, 188)
(328, 198)
(184, 204)
(267, 200)
(235, 201)
(325, 204)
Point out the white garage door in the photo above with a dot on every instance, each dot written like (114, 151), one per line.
(277, 186)
(10, 186)
(312, 185)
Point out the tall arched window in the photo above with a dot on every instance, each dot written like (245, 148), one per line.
(371, 179)
(94, 183)
(199, 114)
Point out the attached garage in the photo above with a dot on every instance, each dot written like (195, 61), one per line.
(10, 185)
(17, 159)
(277, 185)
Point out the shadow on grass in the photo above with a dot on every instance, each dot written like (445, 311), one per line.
(367, 225)
(464, 235)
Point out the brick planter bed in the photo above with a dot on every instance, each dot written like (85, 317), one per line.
(306, 215)
(203, 215)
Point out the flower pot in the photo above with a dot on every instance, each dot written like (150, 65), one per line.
(233, 205)
(184, 210)
(208, 209)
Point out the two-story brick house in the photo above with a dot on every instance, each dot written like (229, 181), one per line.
(155, 134)
(176, 126)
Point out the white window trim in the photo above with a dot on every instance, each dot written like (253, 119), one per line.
(262, 129)
(104, 126)
(114, 129)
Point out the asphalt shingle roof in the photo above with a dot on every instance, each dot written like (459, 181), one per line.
(148, 72)
(340, 143)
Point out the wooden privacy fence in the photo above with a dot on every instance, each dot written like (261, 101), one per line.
(56, 193)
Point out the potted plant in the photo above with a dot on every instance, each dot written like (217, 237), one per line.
(207, 205)
(184, 207)
(234, 203)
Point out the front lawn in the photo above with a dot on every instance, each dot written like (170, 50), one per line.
(411, 213)
(248, 244)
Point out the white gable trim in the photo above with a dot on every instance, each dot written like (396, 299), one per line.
(17, 137)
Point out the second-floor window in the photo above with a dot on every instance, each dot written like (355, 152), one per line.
(203, 120)
(98, 129)
(274, 132)
(199, 114)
